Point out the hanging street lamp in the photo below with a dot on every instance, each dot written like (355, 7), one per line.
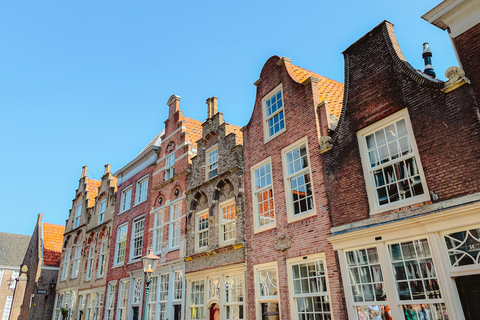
(150, 262)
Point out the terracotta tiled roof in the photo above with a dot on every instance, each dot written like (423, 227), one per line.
(330, 91)
(194, 129)
(52, 244)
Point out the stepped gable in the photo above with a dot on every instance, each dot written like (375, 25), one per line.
(52, 244)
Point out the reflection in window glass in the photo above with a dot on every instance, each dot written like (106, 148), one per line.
(463, 247)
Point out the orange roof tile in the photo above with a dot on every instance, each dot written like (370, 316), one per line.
(330, 91)
(194, 129)
(52, 244)
(93, 186)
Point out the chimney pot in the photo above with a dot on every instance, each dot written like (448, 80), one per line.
(427, 58)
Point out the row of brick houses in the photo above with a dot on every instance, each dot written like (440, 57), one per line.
(356, 201)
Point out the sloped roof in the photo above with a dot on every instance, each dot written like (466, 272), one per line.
(194, 129)
(330, 90)
(52, 244)
(13, 248)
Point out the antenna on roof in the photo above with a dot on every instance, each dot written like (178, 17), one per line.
(427, 58)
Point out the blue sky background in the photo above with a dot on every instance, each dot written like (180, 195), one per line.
(86, 82)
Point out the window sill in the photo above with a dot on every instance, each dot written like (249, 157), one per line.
(401, 204)
(173, 249)
(136, 204)
(134, 261)
(265, 228)
(268, 139)
(118, 265)
(302, 216)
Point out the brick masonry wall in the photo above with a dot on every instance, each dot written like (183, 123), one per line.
(445, 127)
(308, 236)
(468, 49)
(209, 194)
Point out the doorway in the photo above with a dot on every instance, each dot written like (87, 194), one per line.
(135, 313)
(177, 312)
(215, 312)
(469, 292)
(270, 311)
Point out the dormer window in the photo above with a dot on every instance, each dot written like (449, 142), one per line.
(273, 113)
(212, 162)
(78, 213)
(170, 166)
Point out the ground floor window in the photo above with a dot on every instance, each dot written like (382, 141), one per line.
(65, 301)
(166, 296)
(110, 303)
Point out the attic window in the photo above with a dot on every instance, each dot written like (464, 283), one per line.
(273, 113)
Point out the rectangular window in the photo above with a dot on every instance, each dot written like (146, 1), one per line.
(202, 230)
(141, 191)
(273, 114)
(299, 183)
(98, 306)
(158, 230)
(197, 299)
(101, 211)
(309, 290)
(76, 261)
(266, 290)
(234, 297)
(126, 198)
(88, 307)
(121, 244)
(178, 285)
(393, 172)
(170, 166)
(123, 300)
(263, 195)
(88, 274)
(175, 225)
(66, 264)
(110, 303)
(137, 238)
(152, 299)
(78, 214)
(212, 163)
(163, 296)
(228, 222)
(7, 308)
(58, 304)
(102, 259)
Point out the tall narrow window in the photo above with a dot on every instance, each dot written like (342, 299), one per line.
(152, 299)
(392, 167)
(88, 274)
(266, 290)
(212, 163)
(163, 296)
(78, 214)
(178, 285)
(310, 294)
(137, 238)
(101, 211)
(158, 230)
(88, 307)
(97, 312)
(66, 264)
(175, 225)
(125, 200)
(263, 193)
(234, 297)
(202, 230)
(102, 259)
(76, 261)
(58, 305)
(121, 244)
(110, 305)
(273, 114)
(123, 300)
(197, 299)
(7, 308)
(170, 166)
(298, 180)
(141, 190)
(228, 232)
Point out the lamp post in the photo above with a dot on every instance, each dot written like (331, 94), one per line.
(150, 262)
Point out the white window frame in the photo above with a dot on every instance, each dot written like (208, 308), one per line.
(172, 222)
(238, 304)
(209, 165)
(88, 274)
(122, 300)
(141, 190)
(224, 223)
(102, 258)
(158, 229)
(194, 305)
(126, 199)
(152, 298)
(266, 129)
(110, 302)
(117, 243)
(78, 215)
(76, 262)
(170, 166)
(7, 308)
(265, 299)
(198, 232)
(375, 208)
(163, 295)
(66, 264)
(137, 235)
(97, 306)
(291, 217)
(301, 260)
(102, 207)
(256, 193)
(178, 279)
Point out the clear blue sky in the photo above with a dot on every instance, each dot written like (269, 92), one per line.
(86, 82)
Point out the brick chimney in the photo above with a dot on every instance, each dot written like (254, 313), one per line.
(212, 106)
(84, 171)
(107, 169)
(173, 105)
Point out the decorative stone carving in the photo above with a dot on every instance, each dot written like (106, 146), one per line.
(170, 146)
(283, 243)
(326, 143)
(456, 78)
